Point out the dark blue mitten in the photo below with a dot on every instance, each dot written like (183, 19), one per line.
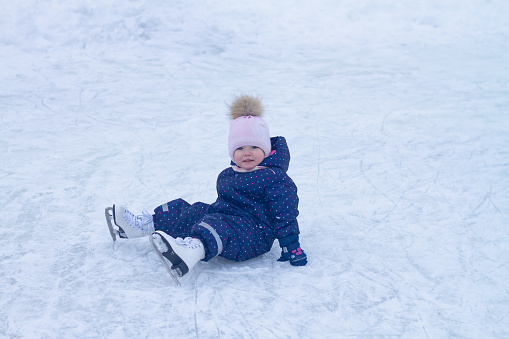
(290, 250)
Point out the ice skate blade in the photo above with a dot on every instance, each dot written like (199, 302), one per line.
(173, 273)
(108, 212)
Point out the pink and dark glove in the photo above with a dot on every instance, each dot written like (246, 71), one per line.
(292, 251)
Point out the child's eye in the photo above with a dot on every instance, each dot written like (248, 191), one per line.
(255, 147)
(240, 148)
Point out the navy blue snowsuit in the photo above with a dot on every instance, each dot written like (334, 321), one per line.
(251, 211)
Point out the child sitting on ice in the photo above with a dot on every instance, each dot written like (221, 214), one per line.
(257, 203)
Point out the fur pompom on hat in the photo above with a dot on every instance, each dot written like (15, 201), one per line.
(248, 127)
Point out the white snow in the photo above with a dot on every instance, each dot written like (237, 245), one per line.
(396, 114)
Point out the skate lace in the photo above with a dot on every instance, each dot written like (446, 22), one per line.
(139, 222)
(189, 242)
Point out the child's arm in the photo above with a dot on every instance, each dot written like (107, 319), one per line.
(283, 206)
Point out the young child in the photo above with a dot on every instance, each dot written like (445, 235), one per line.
(257, 203)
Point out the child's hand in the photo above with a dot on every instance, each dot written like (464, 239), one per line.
(295, 254)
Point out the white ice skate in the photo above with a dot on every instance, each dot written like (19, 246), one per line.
(126, 224)
(183, 254)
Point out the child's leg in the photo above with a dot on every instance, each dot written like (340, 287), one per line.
(234, 238)
(177, 217)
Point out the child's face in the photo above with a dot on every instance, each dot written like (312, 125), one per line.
(248, 157)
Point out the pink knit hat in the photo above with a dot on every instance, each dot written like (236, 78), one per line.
(248, 128)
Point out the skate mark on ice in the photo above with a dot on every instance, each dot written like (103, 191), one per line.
(195, 311)
(361, 165)
(317, 136)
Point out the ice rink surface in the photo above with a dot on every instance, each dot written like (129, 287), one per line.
(397, 117)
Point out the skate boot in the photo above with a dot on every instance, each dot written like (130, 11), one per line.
(127, 224)
(183, 254)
